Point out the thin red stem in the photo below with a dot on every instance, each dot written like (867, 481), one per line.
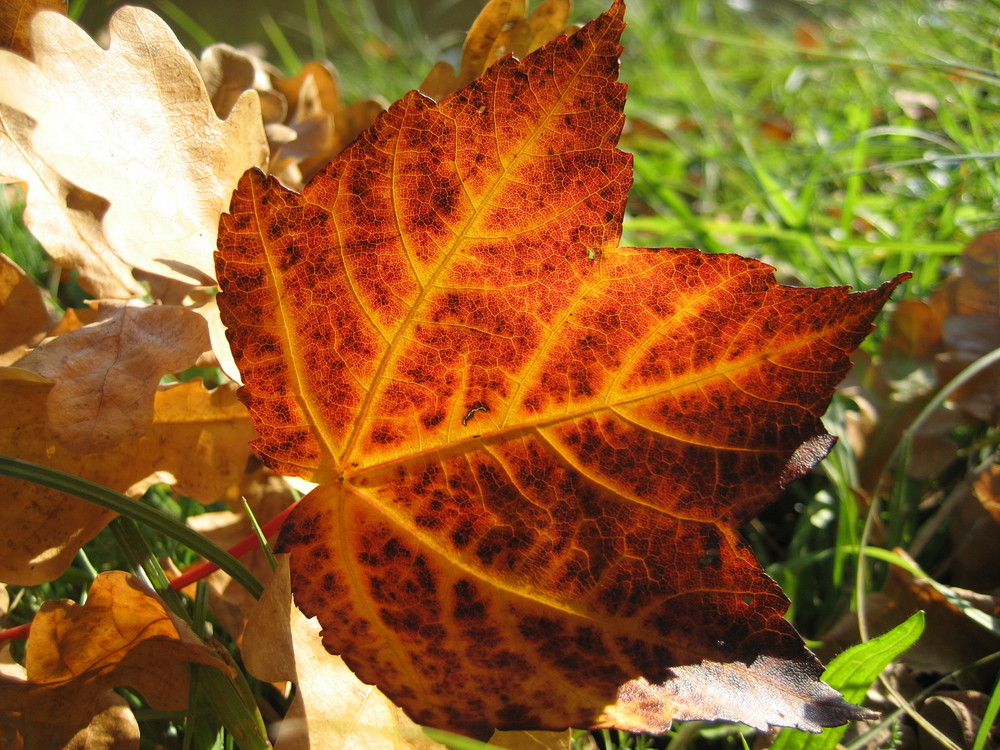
(185, 579)
(13, 634)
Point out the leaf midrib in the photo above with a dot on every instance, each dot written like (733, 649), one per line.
(361, 420)
(542, 423)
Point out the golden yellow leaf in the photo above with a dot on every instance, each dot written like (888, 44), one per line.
(123, 635)
(197, 440)
(107, 373)
(100, 115)
(332, 709)
(23, 315)
(502, 27)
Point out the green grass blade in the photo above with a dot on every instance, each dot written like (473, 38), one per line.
(289, 58)
(456, 741)
(852, 673)
(989, 719)
(126, 506)
(182, 20)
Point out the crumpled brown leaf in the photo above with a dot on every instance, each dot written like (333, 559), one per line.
(974, 532)
(322, 125)
(198, 440)
(123, 635)
(24, 319)
(112, 727)
(11, 724)
(955, 713)
(332, 708)
(951, 639)
(98, 116)
(968, 303)
(106, 373)
(892, 390)
(502, 27)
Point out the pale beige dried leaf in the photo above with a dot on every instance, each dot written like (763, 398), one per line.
(524, 740)
(15, 17)
(24, 319)
(228, 72)
(198, 440)
(755, 694)
(65, 219)
(106, 374)
(134, 125)
(209, 310)
(322, 126)
(332, 708)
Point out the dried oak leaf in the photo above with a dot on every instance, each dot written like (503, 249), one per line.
(113, 726)
(228, 72)
(535, 448)
(501, 28)
(15, 17)
(123, 635)
(968, 303)
(133, 125)
(24, 319)
(322, 125)
(197, 440)
(65, 219)
(890, 392)
(332, 708)
(106, 373)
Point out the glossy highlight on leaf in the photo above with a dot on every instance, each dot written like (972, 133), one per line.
(534, 448)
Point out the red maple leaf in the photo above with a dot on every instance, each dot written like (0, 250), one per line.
(536, 448)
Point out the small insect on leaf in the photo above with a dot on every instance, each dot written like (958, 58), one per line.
(472, 412)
